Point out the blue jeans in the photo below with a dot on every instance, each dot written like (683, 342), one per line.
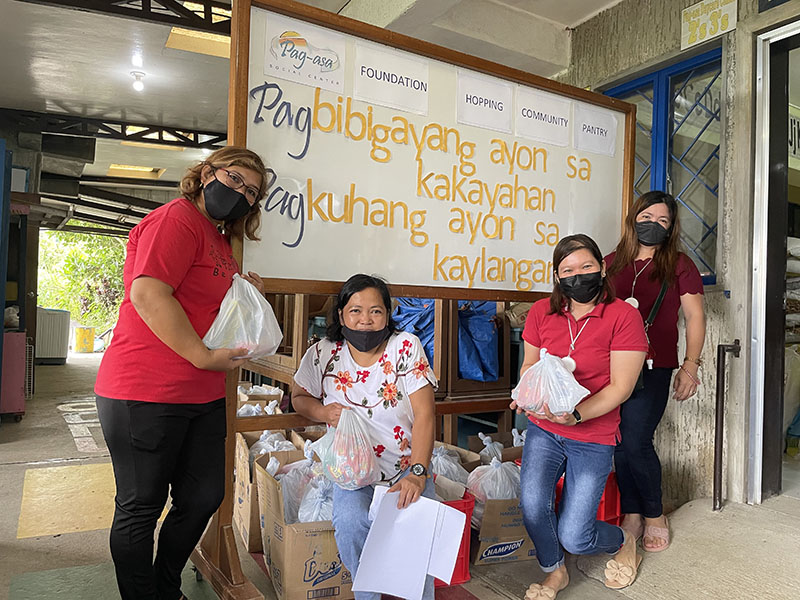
(585, 467)
(635, 459)
(351, 524)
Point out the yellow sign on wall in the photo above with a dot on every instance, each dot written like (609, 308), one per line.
(706, 20)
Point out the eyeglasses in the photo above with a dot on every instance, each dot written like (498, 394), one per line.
(235, 182)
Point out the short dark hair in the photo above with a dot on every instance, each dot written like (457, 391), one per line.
(352, 286)
(565, 247)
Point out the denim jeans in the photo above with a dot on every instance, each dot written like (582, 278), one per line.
(575, 528)
(351, 524)
(635, 458)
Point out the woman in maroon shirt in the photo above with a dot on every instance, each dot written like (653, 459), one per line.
(646, 258)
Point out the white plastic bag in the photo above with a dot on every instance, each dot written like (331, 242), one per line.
(245, 320)
(519, 438)
(491, 449)
(548, 381)
(495, 481)
(294, 482)
(317, 502)
(250, 410)
(346, 453)
(448, 464)
(269, 442)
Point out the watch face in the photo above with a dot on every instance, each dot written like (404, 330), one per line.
(418, 469)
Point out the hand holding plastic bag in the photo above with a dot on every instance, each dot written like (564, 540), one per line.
(447, 464)
(495, 481)
(548, 381)
(346, 453)
(245, 320)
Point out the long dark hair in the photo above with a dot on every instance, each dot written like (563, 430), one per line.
(352, 286)
(665, 259)
(565, 247)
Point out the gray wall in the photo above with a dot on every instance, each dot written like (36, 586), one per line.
(631, 39)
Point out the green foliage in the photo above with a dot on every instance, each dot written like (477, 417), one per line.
(82, 273)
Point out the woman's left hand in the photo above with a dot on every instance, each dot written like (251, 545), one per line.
(684, 386)
(410, 488)
(562, 419)
(255, 279)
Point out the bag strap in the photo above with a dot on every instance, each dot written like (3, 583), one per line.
(654, 311)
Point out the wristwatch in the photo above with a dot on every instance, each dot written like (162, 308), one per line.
(419, 470)
(577, 416)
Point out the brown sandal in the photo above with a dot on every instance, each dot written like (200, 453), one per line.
(621, 570)
(659, 533)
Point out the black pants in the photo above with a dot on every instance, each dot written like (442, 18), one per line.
(635, 459)
(155, 449)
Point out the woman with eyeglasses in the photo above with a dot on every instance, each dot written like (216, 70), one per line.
(160, 391)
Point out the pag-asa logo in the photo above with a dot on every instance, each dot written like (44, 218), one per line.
(291, 48)
(316, 572)
(502, 549)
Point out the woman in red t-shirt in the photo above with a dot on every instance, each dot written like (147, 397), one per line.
(646, 258)
(602, 340)
(160, 391)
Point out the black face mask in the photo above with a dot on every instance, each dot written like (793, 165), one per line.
(583, 287)
(651, 233)
(224, 203)
(364, 341)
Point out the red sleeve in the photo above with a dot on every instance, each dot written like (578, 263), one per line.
(689, 278)
(628, 334)
(166, 249)
(532, 323)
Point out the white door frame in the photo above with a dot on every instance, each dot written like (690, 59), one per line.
(761, 201)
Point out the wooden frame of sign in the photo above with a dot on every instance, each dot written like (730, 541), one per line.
(216, 557)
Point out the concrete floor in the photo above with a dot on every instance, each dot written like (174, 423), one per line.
(741, 553)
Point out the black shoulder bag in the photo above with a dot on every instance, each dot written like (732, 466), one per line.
(648, 322)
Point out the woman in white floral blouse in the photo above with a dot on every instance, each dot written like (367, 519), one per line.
(365, 364)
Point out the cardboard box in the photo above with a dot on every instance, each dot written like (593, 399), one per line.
(303, 559)
(502, 537)
(469, 459)
(510, 452)
(246, 518)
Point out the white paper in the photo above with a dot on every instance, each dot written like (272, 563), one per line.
(398, 548)
(484, 102)
(595, 129)
(446, 542)
(305, 54)
(543, 117)
(390, 78)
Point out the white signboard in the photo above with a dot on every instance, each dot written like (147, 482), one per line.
(484, 102)
(432, 199)
(303, 53)
(543, 117)
(706, 20)
(390, 78)
(595, 130)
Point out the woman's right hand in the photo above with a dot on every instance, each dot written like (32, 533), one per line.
(223, 359)
(332, 413)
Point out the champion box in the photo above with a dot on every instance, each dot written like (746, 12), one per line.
(302, 558)
(502, 537)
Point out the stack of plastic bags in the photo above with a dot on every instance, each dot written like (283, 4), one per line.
(255, 410)
(269, 442)
(495, 481)
(491, 449)
(447, 463)
(548, 381)
(346, 453)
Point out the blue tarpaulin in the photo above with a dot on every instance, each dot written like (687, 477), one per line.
(477, 334)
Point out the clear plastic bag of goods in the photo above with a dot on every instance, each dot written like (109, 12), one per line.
(446, 463)
(245, 320)
(490, 449)
(271, 407)
(495, 481)
(250, 410)
(294, 480)
(548, 381)
(519, 438)
(346, 453)
(273, 465)
(317, 502)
